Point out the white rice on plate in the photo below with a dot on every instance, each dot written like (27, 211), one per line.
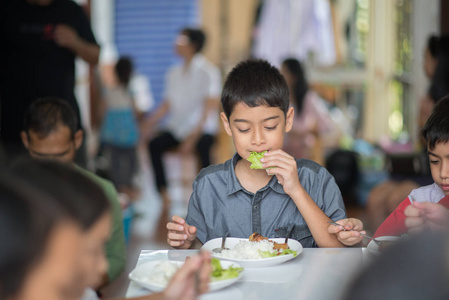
(162, 273)
(248, 250)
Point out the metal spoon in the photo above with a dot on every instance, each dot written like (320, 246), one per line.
(288, 234)
(223, 240)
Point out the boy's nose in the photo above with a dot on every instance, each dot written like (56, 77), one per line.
(444, 172)
(258, 137)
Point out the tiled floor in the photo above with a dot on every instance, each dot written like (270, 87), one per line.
(148, 226)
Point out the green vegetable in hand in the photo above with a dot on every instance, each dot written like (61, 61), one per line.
(218, 273)
(254, 159)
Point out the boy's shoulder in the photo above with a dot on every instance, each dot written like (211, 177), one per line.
(308, 164)
(432, 193)
(216, 171)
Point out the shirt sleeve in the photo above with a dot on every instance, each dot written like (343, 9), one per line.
(330, 195)
(115, 247)
(394, 224)
(83, 26)
(195, 216)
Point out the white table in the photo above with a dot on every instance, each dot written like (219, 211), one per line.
(315, 274)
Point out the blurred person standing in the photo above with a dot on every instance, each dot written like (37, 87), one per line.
(120, 131)
(40, 41)
(192, 92)
(312, 118)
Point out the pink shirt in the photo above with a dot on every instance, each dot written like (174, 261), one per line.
(313, 119)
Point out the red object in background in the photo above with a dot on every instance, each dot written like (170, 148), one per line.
(394, 225)
(48, 33)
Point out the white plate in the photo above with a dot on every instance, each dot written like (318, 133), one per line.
(254, 263)
(140, 276)
(372, 246)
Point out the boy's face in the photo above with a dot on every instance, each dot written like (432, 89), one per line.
(257, 128)
(93, 261)
(439, 165)
(58, 145)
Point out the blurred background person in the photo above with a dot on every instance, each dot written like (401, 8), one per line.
(312, 118)
(120, 130)
(50, 132)
(192, 91)
(41, 40)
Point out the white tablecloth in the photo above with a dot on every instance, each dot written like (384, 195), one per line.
(315, 274)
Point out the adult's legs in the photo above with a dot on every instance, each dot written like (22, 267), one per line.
(157, 147)
(203, 147)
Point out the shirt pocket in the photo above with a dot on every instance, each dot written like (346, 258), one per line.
(301, 233)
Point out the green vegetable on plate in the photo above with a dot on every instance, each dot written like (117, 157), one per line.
(266, 254)
(218, 273)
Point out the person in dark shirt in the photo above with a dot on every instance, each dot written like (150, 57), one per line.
(40, 40)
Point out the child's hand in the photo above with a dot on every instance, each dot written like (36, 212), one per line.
(192, 278)
(421, 215)
(284, 167)
(180, 234)
(350, 232)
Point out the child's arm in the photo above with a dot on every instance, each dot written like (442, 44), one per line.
(350, 232)
(180, 234)
(286, 171)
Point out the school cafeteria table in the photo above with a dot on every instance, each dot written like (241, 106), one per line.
(315, 274)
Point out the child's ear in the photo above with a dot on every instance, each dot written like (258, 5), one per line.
(78, 138)
(25, 140)
(225, 122)
(289, 119)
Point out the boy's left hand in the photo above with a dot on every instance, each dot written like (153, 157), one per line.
(284, 167)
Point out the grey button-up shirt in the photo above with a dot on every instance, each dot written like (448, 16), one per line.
(219, 203)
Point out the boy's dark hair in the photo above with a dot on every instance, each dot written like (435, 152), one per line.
(436, 129)
(255, 83)
(124, 69)
(45, 114)
(27, 217)
(84, 199)
(196, 37)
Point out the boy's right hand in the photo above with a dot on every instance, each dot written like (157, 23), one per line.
(350, 232)
(422, 215)
(180, 234)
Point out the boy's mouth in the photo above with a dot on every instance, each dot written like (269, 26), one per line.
(445, 187)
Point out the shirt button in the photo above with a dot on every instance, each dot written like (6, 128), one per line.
(256, 206)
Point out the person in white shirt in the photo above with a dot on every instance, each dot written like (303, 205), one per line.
(192, 92)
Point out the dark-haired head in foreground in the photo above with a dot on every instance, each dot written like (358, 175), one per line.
(40, 244)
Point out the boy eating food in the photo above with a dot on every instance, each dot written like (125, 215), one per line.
(236, 200)
(427, 207)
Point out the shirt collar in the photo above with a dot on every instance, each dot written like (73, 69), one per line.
(234, 183)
